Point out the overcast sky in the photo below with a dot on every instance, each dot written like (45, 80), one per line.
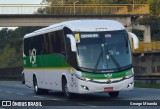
(20, 1)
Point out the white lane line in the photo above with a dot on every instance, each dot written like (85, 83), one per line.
(37, 97)
(20, 93)
(8, 91)
(86, 105)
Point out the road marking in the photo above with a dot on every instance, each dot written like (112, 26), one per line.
(86, 105)
(9, 92)
(93, 106)
(20, 93)
(37, 97)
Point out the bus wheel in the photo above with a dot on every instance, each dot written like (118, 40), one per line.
(66, 92)
(37, 90)
(114, 94)
(23, 78)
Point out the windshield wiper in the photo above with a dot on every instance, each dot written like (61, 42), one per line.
(97, 62)
(115, 62)
(113, 59)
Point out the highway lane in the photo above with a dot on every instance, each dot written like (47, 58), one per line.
(14, 90)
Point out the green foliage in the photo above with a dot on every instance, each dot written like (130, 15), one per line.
(139, 34)
(154, 7)
(144, 85)
(7, 54)
(11, 45)
(154, 22)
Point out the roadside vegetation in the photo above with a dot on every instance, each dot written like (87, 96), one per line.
(11, 42)
(149, 85)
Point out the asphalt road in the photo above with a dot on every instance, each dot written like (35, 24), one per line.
(14, 90)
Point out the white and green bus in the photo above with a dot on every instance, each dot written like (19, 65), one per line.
(80, 56)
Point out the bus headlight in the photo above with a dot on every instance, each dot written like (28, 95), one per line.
(81, 78)
(129, 74)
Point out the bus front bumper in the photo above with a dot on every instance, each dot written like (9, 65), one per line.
(92, 87)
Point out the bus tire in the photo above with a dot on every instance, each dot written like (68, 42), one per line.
(23, 78)
(114, 94)
(66, 92)
(37, 90)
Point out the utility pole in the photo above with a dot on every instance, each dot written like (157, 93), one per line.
(133, 4)
(74, 6)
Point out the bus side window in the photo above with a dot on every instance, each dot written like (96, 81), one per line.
(50, 43)
(27, 44)
(38, 44)
(61, 42)
(45, 44)
(58, 42)
(52, 35)
(67, 40)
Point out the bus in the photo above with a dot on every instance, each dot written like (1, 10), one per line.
(80, 56)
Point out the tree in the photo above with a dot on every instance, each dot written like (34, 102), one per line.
(11, 45)
(155, 7)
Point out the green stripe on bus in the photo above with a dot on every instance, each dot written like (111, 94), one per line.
(46, 61)
(103, 76)
(49, 68)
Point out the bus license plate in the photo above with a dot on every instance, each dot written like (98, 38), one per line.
(108, 89)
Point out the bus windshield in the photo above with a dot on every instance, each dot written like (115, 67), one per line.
(104, 51)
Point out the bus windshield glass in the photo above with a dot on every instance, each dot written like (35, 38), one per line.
(103, 51)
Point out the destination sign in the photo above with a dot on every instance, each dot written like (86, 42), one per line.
(90, 36)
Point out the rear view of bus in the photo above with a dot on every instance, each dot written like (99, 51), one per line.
(98, 57)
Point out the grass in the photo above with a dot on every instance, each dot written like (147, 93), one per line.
(146, 85)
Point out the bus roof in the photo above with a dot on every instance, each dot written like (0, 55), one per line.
(81, 25)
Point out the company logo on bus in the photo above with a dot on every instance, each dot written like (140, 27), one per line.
(33, 56)
(109, 75)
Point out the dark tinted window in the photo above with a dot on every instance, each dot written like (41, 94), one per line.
(27, 46)
(57, 42)
(46, 44)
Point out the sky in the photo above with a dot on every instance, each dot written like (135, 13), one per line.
(20, 1)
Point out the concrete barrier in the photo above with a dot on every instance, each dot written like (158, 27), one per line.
(13, 73)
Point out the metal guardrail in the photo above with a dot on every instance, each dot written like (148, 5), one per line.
(12, 73)
(148, 79)
(79, 9)
(145, 77)
(147, 47)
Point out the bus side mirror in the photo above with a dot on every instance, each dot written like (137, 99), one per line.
(73, 42)
(135, 39)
